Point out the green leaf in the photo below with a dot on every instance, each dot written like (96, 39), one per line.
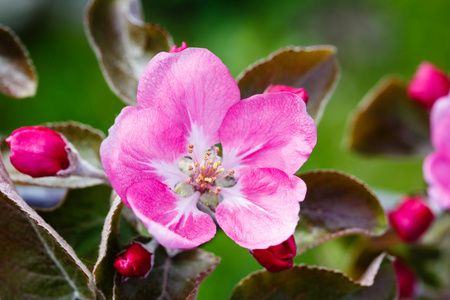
(389, 123)
(335, 205)
(35, 262)
(123, 43)
(80, 220)
(18, 77)
(306, 282)
(85, 139)
(313, 68)
(177, 277)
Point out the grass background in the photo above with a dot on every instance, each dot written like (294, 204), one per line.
(373, 38)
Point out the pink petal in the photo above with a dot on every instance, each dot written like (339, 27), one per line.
(436, 171)
(142, 144)
(261, 210)
(173, 220)
(440, 123)
(192, 87)
(270, 130)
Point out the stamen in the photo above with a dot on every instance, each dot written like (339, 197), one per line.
(207, 179)
(220, 171)
(190, 150)
(211, 162)
(190, 168)
(208, 153)
(203, 185)
(231, 172)
(191, 146)
(205, 158)
(189, 180)
(197, 164)
(217, 150)
(218, 189)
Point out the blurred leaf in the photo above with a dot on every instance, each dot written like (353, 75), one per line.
(313, 68)
(177, 277)
(18, 77)
(308, 282)
(35, 262)
(388, 123)
(123, 43)
(80, 220)
(85, 139)
(336, 204)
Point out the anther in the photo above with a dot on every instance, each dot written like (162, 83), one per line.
(218, 189)
(203, 185)
(206, 158)
(190, 168)
(207, 179)
(208, 153)
(197, 164)
(217, 150)
(231, 172)
(189, 180)
(190, 150)
(211, 162)
(220, 171)
(191, 146)
(200, 176)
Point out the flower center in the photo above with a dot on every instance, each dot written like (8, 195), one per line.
(206, 172)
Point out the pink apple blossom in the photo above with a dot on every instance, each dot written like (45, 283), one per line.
(428, 84)
(411, 219)
(284, 88)
(277, 258)
(176, 49)
(39, 151)
(135, 261)
(164, 160)
(436, 167)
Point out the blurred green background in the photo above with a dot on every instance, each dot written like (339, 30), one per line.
(373, 38)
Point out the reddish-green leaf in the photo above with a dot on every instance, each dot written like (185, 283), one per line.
(85, 139)
(389, 123)
(35, 262)
(123, 43)
(336, 204)
(313, 68)
(310, 283)
(18, 77)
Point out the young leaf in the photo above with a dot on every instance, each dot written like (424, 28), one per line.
(85, 139)
(389, 123)
(123, 43)
(35, 262)
(313, 68)
(307, 282)
(80, 220)
(335, 205)
(18, 77)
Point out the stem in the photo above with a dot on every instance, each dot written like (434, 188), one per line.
(85, 169)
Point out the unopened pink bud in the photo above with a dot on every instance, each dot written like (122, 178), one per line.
(176, 49)
(411, 219)
(277, 258)
(134, 262)
(38, 151)
(284, 88)
(406, 280)
(428, 84)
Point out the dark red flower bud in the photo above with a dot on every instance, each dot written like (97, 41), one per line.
(176, 49)
(134, 262)
(406, 280)
(284, 88)
(38, 151)
(428, 84)
(411, 219)
(277, 258)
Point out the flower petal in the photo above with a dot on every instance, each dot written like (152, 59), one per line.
(436, 169)
(142, 144)
(174, 221)
(270, 130)
(440, 123)
(192, 87)
(261, 210)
